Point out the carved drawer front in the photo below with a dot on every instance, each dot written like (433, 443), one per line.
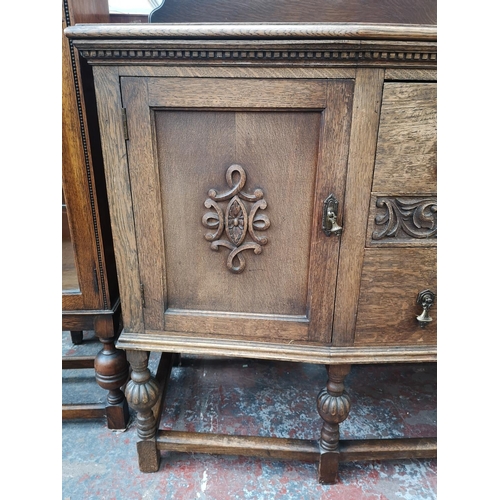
(228, 180)
(389, 303)
(403, 204)
(406, 149)
(402, 221)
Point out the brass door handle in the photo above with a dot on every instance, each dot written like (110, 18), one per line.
(330, 212)
(426, 299)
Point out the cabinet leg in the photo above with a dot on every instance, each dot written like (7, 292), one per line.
(111, 373)
(76, 336)
(333, 406)
(142, 392)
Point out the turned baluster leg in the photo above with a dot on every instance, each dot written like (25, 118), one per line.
(111, 373)
(142, 392)
(333, 406)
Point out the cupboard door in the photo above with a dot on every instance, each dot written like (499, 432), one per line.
(228, 180)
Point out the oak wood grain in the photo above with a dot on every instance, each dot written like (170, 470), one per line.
(108, 96)
(244, 72)
(330, 179)
(241, 93)
(304, 352)
(74, 178)
(253, 31)
(305, 450)
(284, 11)
(406, 159)
(411, 74)
(76, 362)
(88, 11)
(387, 449)
(274, 327)
(390, 282)
(365, 118)
(86, 411)
(89, 276)
(146, 198)
(257, 446)
(265, 144)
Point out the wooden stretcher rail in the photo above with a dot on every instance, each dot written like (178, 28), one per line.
(295, 449)
(70, 412)
(77, 362)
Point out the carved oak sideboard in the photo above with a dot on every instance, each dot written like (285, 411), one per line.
(272, 191)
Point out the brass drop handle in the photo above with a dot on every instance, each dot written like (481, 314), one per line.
(426, 299)
(330, 212)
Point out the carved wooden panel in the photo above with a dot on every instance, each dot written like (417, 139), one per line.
(402, 221)
(277, 182)
(236, 220)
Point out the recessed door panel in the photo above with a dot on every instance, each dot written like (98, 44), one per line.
(201, 275)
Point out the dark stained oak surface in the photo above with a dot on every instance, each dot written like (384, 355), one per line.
(289, 11)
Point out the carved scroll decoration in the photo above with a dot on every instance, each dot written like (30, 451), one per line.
(406, 218)
(235, 219)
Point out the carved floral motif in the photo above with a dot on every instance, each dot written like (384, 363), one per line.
(236, 220)
(406, 218)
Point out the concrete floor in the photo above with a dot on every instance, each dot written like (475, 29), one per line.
(252, 397)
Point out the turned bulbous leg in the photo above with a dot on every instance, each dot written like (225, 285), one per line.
(142, 393)
(111, 373)
(333, 406)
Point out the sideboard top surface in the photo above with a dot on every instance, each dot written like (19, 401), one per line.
(324, 44)
(359, 31)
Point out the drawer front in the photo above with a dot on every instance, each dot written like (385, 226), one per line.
(402, 221)
(391, 280)
(407, 141)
